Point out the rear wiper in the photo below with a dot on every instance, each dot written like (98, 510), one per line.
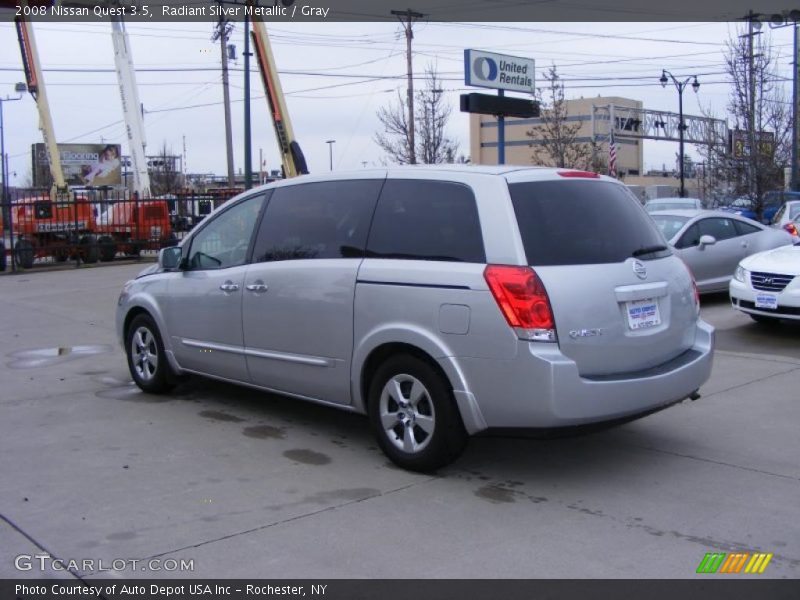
(648, 250)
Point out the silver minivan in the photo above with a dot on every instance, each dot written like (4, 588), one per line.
(439, 301)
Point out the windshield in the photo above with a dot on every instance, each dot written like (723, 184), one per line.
(583, 222)
(669, 224)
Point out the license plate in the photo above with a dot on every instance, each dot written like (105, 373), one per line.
(766, 301)
(643, 313)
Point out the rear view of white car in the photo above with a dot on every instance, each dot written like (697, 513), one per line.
(766, 285)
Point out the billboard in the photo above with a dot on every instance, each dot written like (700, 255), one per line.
(92, 165)
(499, 71)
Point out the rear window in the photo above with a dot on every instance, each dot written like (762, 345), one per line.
(582, 222)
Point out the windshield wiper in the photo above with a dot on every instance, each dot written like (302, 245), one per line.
(649, 250)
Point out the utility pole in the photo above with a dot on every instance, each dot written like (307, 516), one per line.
(753, 25)
(248, 160)
(409, 16)
(223, 29)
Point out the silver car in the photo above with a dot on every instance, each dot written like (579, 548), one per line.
(441, 302)
(672, 204)
(712, 243)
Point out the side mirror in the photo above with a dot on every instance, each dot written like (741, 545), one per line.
(169, 259)
(707, 240)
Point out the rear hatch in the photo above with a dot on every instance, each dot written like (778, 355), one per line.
(621, 301)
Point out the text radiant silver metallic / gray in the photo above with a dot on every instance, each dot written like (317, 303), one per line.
(440, 302)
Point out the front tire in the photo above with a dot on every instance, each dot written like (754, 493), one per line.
(147, 360)
(414, 415)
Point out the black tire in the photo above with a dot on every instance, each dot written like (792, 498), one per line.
(144, 339)
(108, 248)
(89, 252)
(2, 255)
(134, 249)
(24, 253)
(170, 241)
(400, 431)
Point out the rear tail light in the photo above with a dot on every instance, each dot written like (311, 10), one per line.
(584, 174)
(523, 300)
(792, 228)
(694, 288)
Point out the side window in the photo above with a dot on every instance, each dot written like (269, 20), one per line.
(743, 228)
(224, 240)
(317, 220)
(690, 237)
(426, 220)
(720, 228)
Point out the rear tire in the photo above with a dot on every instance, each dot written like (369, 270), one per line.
(414, 416)
(108, 248)
(147, 360)
(88, 249)
(24, 253)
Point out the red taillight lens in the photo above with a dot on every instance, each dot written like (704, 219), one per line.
(523, 300)
(694, 287)
(792, 228)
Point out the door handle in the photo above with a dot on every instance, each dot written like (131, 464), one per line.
(229, 286)
(258, 288)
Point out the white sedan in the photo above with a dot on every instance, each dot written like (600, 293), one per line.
(766, 285)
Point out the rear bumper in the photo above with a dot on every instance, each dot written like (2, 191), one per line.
(541, 388)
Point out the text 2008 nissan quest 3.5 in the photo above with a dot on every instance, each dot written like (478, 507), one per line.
(439, 301)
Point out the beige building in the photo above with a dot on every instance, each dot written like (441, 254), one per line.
(592, 113)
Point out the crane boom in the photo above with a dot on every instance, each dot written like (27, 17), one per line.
(33, 75)
(131, 107)
(294, 163)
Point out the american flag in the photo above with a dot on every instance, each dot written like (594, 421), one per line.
(612, 155)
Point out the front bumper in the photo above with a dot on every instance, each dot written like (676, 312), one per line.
(743, 298)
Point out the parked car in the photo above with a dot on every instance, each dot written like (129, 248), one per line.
(712, 243)
(766, 285)
(787, 218)
(772, 202)
(672, 204)
(439, 301)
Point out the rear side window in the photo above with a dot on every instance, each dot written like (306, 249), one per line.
(743, 228)
(582, 222)
(426, 220)
(720, 228)
(317, 220)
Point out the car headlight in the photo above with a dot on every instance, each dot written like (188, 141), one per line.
(741, 274)
(123, 295)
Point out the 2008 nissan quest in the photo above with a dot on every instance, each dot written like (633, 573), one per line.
(440, 301)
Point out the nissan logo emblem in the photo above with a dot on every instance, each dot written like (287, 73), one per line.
(640, 269)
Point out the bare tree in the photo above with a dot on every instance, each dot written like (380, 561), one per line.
(431, 114)
(554, 142)
(164, 177)
(753, 171)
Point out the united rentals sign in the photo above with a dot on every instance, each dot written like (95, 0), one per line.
(499, 71)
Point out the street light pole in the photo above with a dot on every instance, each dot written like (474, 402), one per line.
(680, 86)
(20, 88)
(330, 151)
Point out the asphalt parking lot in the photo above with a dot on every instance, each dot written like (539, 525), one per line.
(246, 484)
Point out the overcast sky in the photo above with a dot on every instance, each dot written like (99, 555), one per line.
(350, 71)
